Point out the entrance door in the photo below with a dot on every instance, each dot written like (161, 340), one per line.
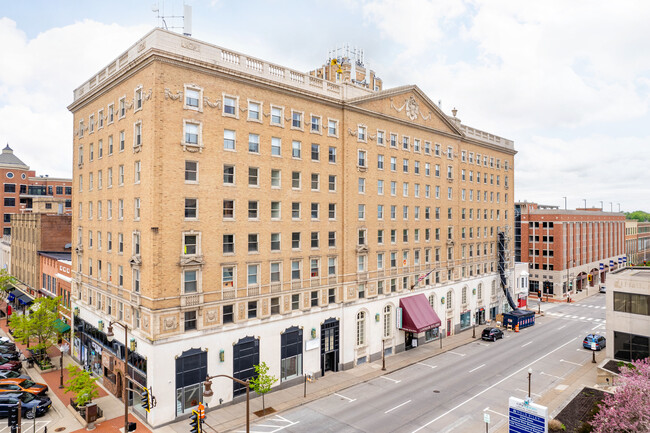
(408, 340)
(329, 346)
(246, 354)
(448, 327)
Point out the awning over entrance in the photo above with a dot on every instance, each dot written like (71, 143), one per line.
(417, 314)
(61, 327)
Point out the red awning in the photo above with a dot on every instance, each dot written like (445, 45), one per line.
(417, 314)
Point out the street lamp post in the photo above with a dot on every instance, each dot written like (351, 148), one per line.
(64, 350)
(207, 392)
(109, 336)
(530, 373)
(383, 355)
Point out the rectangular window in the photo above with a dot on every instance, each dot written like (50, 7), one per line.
(331, 239)
(276, 116)
(189, 323)
(253, 244)
(228, 314)
(253, 275)
(295, 270)
(295, 301)
(275, 178)
(191, 208)
(229, 174)
(315, 152)
(332, 127)
(332, 183)
(315, 124)
(276, 146)
(253, 209)
(228, 243)
(229, 139)
(192, 98)
(296, 119)
(254, 143)
(189, 281)
(315, 182)
(253, 176)
(332, 155)
(228, 209)
(275, 241)
(191, 171)
(229, 105)
(295, 240)
(253, 111)
(191, 134)
(275, 210)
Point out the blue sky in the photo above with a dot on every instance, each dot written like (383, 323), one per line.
(569, 82)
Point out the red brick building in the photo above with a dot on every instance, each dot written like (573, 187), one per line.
(643, 234)
(578, 247)
(55, 279)
(21, 186)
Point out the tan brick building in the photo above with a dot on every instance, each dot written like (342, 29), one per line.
(232, 211)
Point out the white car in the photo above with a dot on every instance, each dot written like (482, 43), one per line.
(601, 289)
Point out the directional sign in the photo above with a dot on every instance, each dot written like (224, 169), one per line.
(526, 417)
(486, 418)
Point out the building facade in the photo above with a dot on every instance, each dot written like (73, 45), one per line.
(628, 314)
(5, 253)
(643, 239)
(21, 185)
(568, 250)
(55, 279)
(231, 211)
(31, 233)
(632, 242)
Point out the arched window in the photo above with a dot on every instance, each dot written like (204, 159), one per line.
(388, 320)
(479, 291)
(432, 301)
(361, 328)
(450, 300)
(464, 295)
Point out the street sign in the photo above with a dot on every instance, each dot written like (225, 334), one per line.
(593, 345)
(486, 418)
(526, 417)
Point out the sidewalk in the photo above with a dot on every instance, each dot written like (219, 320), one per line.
(112, 407)
(233, 416)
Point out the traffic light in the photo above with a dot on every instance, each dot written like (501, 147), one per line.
(146, 405)
(590, 277)
(132, 426)
(14, 416)
(195, 422)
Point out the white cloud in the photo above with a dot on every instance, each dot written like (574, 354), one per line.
(36, 84)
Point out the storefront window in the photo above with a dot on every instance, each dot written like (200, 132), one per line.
(431, 334)
(291, 353)
(465, 320)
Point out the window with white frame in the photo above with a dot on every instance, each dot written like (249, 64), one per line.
(193, 100)
(137, 134)
(388, 321)
(228, 139)
(190, 281)
(276, 116)
(276, 146)
(230, 106)
(332, 127)
(254, 109)
(361, 328)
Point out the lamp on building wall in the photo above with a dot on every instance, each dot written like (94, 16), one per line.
(377, 317)
(222, 356)
(100, 325)
(313, 332)
(76, 311)
(133, 345)
(442, 300)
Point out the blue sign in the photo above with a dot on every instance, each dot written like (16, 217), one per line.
(526, 417)
(624, 259)
(620, 260)
(602, 266)
(611, 263)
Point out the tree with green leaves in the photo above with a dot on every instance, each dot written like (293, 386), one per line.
(6, 280)
(262, 383)
(37, 323)
(638, 215)
(82, 385)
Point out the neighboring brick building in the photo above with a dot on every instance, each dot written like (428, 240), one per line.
(231, 211)
(34, 232)
(21, 186)
(643, 235)
(576, 246)
(632, 242)
(55, 278)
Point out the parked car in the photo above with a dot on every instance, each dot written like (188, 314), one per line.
(7, 364)
(491, 334)
(12, 374)
(12, 356)
(27, 401)
(602, 289)
(592, 341)
(18, 385)
(10, 344)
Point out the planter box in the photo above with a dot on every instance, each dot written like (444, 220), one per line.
(81, 420)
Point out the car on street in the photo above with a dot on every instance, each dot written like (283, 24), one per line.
(8, 344)
(594, 342)
(18, 385)
(602, 289)
(8, 364)
(27, 401)
(491, 334)
(12, 374)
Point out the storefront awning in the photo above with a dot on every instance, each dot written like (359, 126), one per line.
(61, 327)
(417, 314)
(24, 299)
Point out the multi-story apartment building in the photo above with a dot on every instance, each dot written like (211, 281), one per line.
(628, 314)
(21, 186)
(230, 211)
(578, 247)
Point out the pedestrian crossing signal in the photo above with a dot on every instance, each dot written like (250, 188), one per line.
(590, 277)
(195, 422)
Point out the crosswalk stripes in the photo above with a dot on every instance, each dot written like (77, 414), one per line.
(575, 317)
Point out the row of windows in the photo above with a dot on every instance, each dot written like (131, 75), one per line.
(120, 210)
(108, 117)
(38, 189)
(137, 141)
(137, 176)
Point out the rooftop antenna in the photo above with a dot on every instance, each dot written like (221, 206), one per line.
(162, 18)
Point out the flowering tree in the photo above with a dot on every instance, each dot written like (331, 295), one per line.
(627, 410)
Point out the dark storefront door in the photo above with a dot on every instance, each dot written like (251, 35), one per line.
(329, 345)
(246, 354)
(408, 340)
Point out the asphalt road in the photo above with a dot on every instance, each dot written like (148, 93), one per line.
(451, 391)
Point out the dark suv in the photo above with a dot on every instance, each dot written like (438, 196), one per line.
(491, 334)
(28, 403)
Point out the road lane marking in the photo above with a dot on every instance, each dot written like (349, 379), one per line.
(392, 380)
(426, 365)
(582, 318)
(564, 326)
(487, 409)
(474, 369)
(597, 327)
(552, 375)
(398, 406)
(526, 344)
(455, 353)
(493, 385)
(347, 398)
(570, 362)
(526, 392)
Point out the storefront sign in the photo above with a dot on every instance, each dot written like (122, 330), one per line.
(526, 417)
